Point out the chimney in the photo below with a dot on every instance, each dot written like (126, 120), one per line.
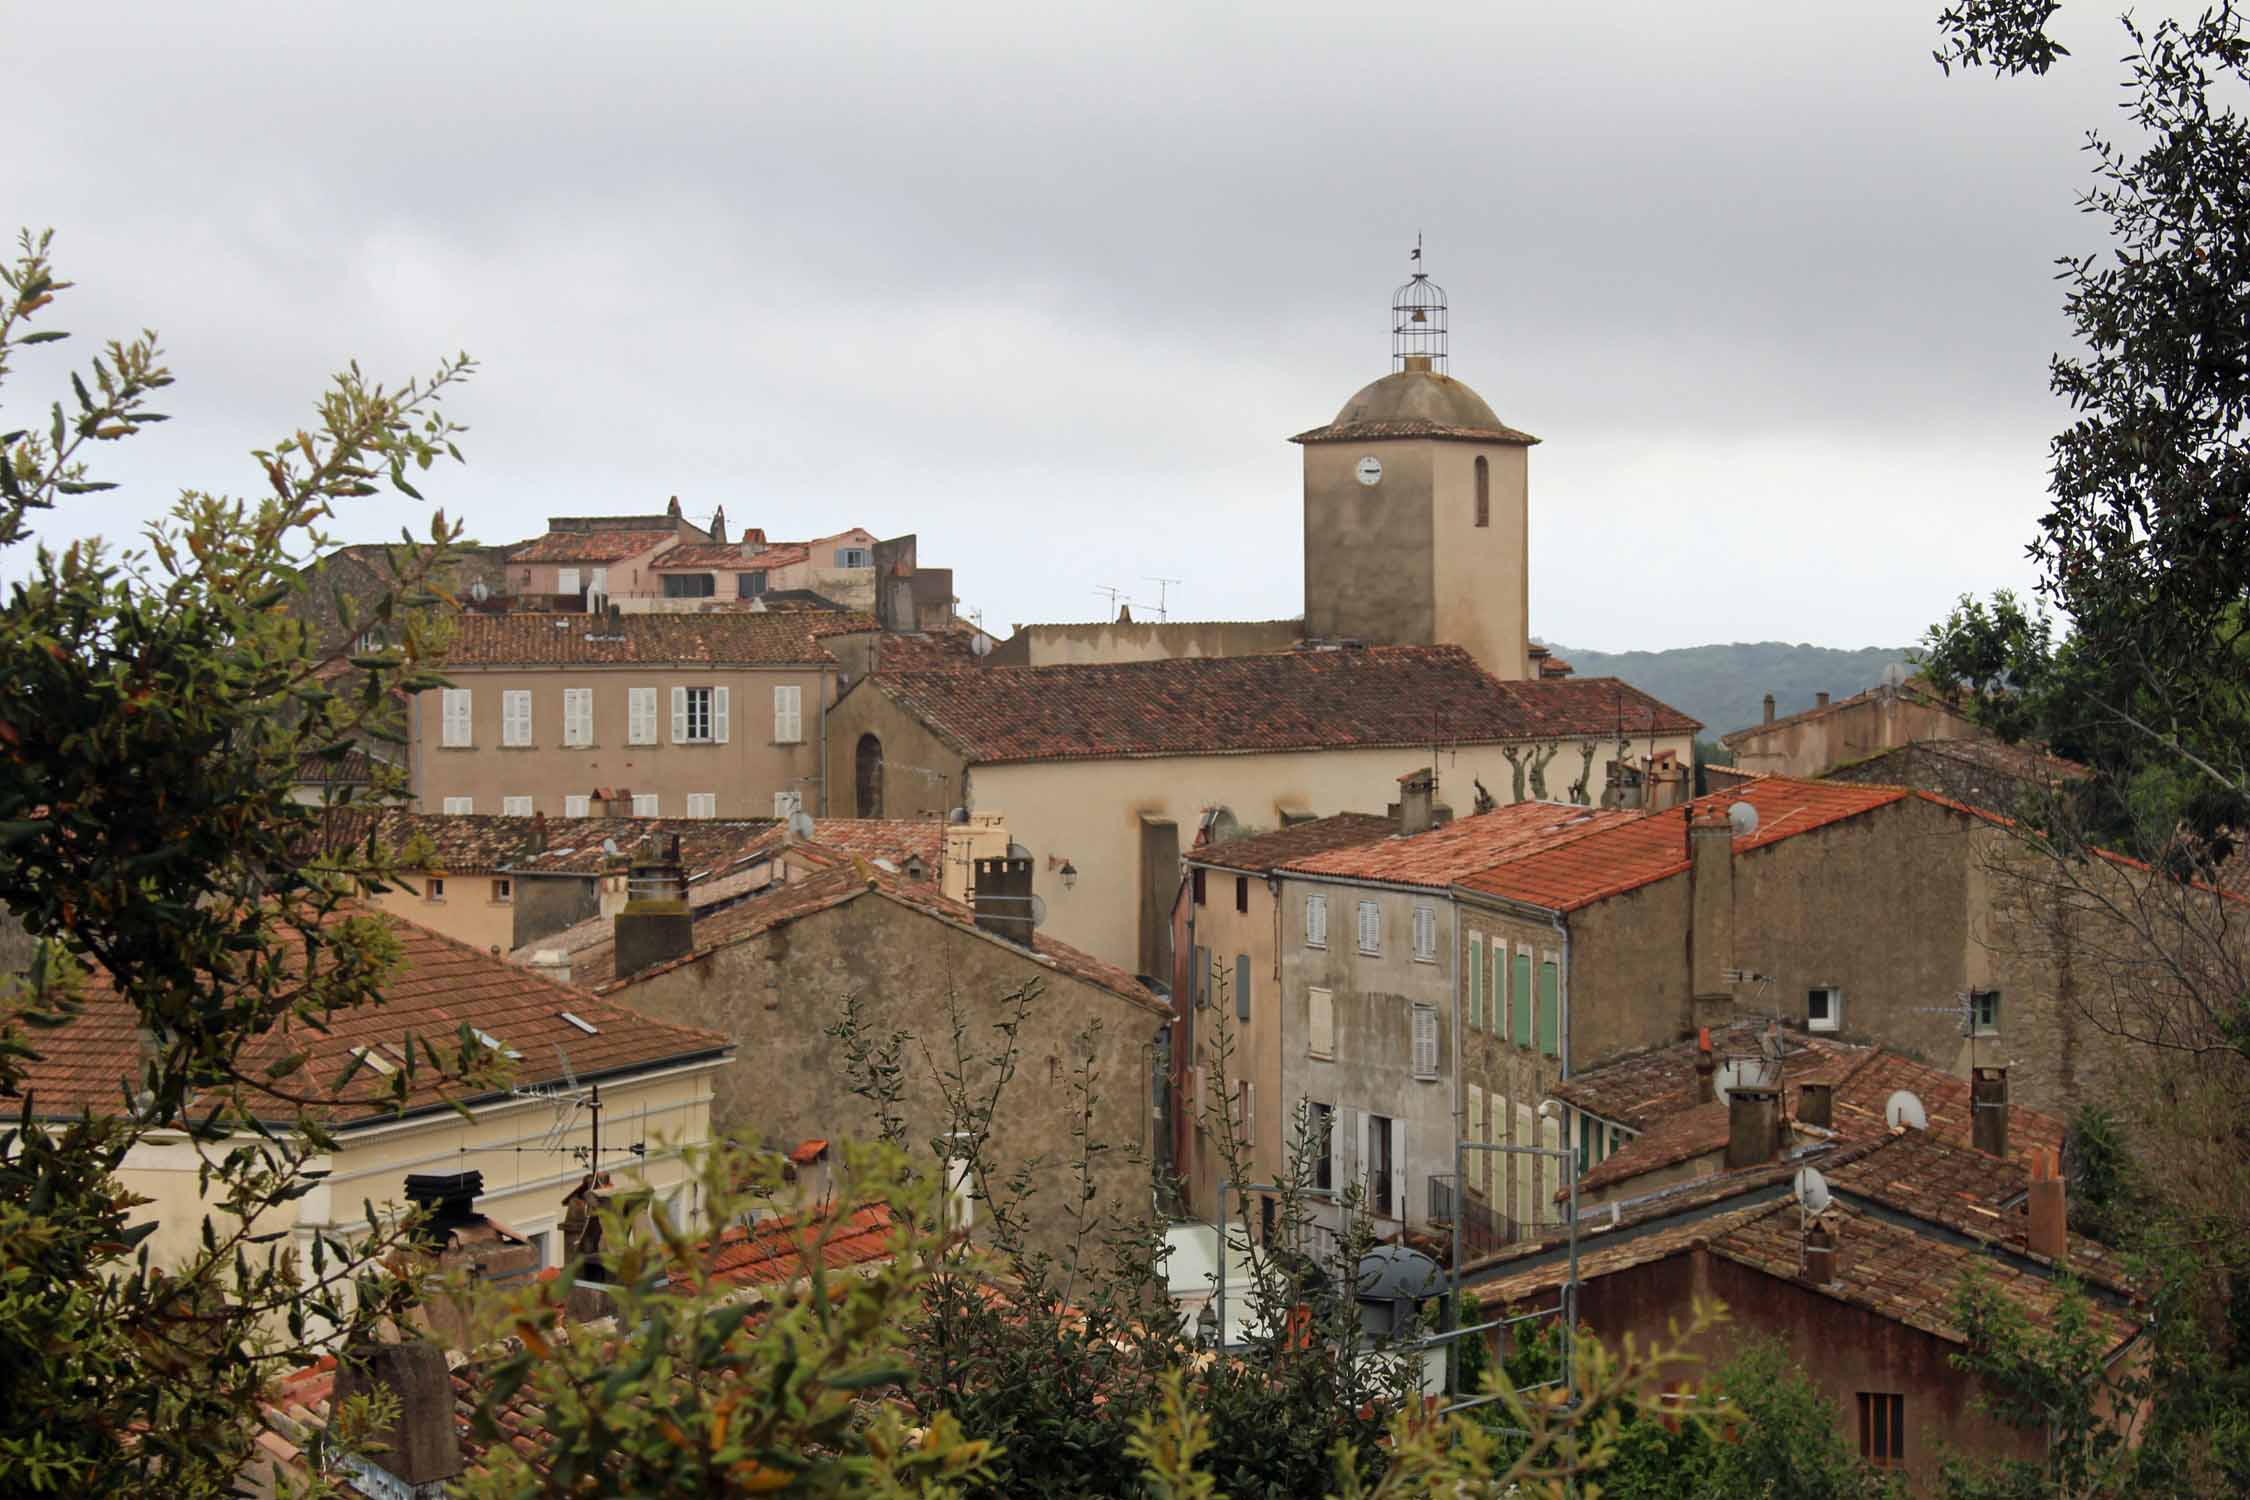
(1706, 1068)
(451, 1198)
(719, 524)
(1821, 1258)
(673, 510)
(423, 1445)
(1820, 700)
(1753, 1126)
(1988, 1107)
(550, 963)
(1003, 898)
(538, 833)
(1710, 850)
(1769, 708)
(1417, 794)
(2046, 1210)
(656, 926)
(1816, 1104)
(1623, 786)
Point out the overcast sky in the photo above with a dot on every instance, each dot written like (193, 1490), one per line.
(1051, 285)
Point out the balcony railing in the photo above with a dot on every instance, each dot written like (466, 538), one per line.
(1483, 1227)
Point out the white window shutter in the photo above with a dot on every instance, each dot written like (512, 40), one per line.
(515, 716)
(1321, 1018)
(455, 726)
(1399, 1205)
(459, 806)
(1367, 1157)
(679, 716)
(788, 715)
(1329, 1148)
(718, 716)
(566, 580)
(1425, 1041)
(1316, 921)
(646, 805)
(1346, 1132)
(1526, 1135)
(575, 806)
(1474, 1133)
(640, 728)
(578, 716)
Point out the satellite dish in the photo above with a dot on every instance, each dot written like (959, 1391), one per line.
(1744, 818)
(480, 591)
(980, 644)
(1038, 910)
(1811, 1190)
(1902, 1108)
(800, 824)
(1894, 675)
(958, 815)
(609, 847)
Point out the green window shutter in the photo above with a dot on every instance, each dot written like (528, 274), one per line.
(1522, 997)
(1476, 983)
(1550, 989)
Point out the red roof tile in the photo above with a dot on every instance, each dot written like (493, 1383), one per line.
(779, 1251)
(731, 556)
(1623, 856)
(588, 546)
(1462, 847)
(716, 638)
(1376, 696)
(1260, 852)
(439, 986)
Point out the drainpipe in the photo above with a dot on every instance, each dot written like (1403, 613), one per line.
(1184, 998)
(1460, 1080)
(824, 680)
(1562, 1054)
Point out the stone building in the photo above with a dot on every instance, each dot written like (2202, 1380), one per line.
(1984, 773)
(1099, 768)
(774, 973)
(1828, 735)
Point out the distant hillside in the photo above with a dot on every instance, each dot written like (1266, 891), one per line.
(1725, 686)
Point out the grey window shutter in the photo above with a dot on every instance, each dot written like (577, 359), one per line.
(1242, 986)
(1201, 979)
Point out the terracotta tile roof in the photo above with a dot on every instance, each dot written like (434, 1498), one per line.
(438, 986)
(2020, 762)
(926, 651)
(352, 768)
(776, 1252)
(1862, 1093)
(595, 966)
(1290, 700)
(1913, 690)
(1415, 427)
(1623, 856)
(1261, 852)
(716, 638)
(708, 846)
(1462, 847)
(1636, 1089)
(731, 556)
(588, 546)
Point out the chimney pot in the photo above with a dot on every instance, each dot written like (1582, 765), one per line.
(1753, 1127)
(1417, 795)
(1769, 708)
(423, 1445)
(1003, 898)
(1706, 1069)
(656, 924)
(1820, 700)
(2046, 1209)
(1988, 1101)
(1821, 1258)
(1816, 1104)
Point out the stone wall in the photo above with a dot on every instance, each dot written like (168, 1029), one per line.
(1143, 640)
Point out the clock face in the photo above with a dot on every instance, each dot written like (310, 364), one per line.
(1370, 470)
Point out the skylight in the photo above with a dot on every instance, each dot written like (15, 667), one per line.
(495, 1043)
(582, 1024)
(375, 1060)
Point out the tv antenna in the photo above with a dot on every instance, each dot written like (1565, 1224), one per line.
(1115, 595)
(1162, 585)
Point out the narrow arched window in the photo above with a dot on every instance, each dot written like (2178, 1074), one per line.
(1484, 491)
(867, 777)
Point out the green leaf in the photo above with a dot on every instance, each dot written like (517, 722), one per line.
(44, 336)
(82, 486)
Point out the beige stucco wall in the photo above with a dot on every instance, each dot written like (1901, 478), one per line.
(1256, 1044)
(777, 994)
(1373, 997)
(923, 776)
(1088, 812)
(630, 577)
(524, 1148)
(1883, 720)
(744, 774)
(1138, 640)
(470, 911)
(1403, 561)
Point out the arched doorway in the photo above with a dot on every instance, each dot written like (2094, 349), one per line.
(867, 777)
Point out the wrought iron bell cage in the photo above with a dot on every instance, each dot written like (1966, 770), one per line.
(1418, 323)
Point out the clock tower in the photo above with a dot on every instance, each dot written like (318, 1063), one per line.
(1417, 527)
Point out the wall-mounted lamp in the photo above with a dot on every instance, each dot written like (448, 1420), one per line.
(1069, 874)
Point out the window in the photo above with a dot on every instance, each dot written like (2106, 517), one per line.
(515, 807)
(750, 585)
(433, 888)
(1370, 927)
(644, 805)
(1316, 921)
(1320, 1031)
(455, 732)
(1425, 934)
(1882, 1428)
(1476, 980)
(1824, 1008)
(459, 807)
(515, 716)
(854, 557)
(1519, 996)
(1425, 1042)
(1245, 1111)
(703, 804)
(503, 891)
(576, 806)
(689, 585)
(1984, 1012)
(597, 581)
(1242, 986)
(1484, 491)
(1198, 880)
(699, 715)
(578, 717)
(788, 715)
(1199, 978)
(1242, 893)
(1550, 1004)
(640, 717)
(1379, 1195)
(1320, 1127)
(566, 580)
(542, 1243)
